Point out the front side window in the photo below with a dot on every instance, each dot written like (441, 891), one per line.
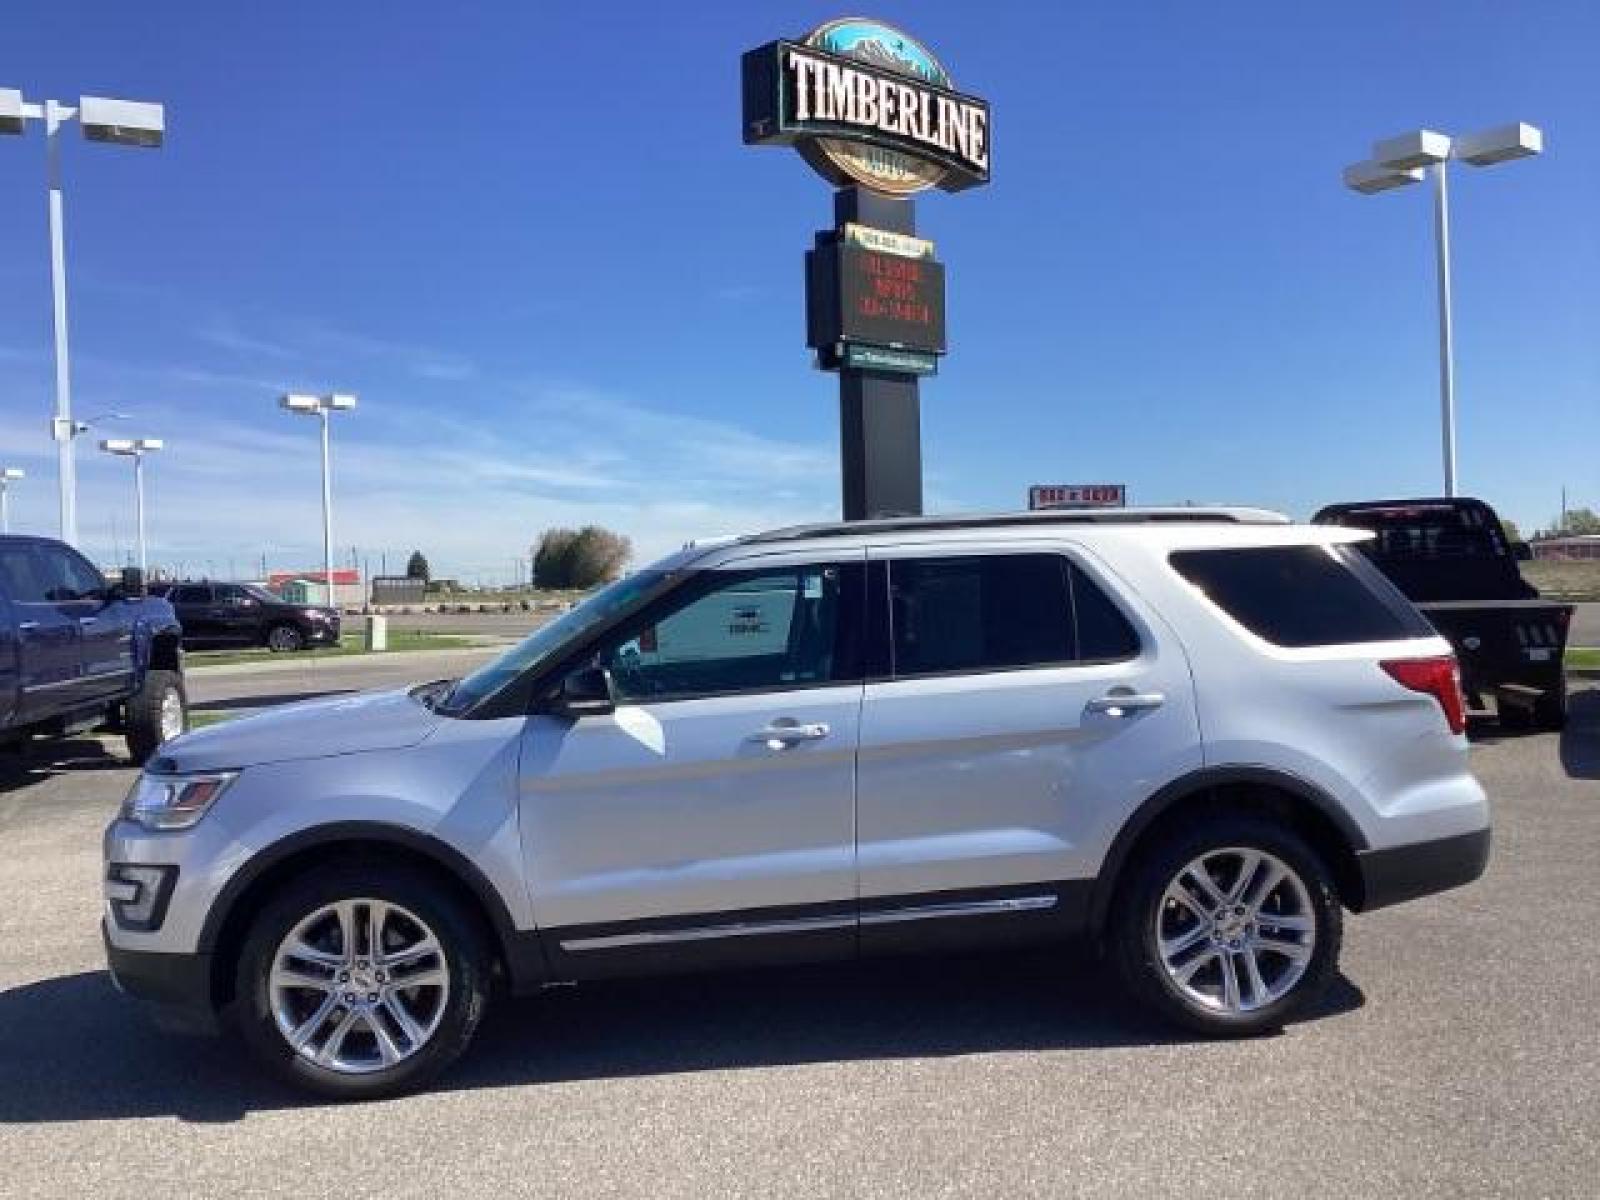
(67, 577)
(738, 631)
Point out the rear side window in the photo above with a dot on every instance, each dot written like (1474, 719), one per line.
(999, 612)
(1303, 595)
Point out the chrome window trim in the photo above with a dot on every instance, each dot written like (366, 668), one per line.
(921, 912)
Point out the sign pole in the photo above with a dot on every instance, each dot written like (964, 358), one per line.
(880, 413)
(874, 112)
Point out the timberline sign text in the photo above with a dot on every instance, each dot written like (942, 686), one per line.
(794, 92)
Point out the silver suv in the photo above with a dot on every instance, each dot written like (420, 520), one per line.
(1191, 736)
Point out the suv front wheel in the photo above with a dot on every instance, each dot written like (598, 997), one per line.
(361, 981)
(1228, 926)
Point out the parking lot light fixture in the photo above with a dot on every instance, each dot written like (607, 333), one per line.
(8, 476)
(1406, 159)
(321, 406)
(102, 119)
(136, 449)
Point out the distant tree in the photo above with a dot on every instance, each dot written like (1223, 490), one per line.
(579, 558)
(417, 567)
(550, 557)
(597, 556)
(1582, 520)
(1513, 534)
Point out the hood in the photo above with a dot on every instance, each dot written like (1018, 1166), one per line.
(312, 729)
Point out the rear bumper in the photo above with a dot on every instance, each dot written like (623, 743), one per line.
(1402, 873)
(175, 987)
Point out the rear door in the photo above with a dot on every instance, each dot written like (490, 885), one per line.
(48, 660)
(1025, 707)
(192, 603)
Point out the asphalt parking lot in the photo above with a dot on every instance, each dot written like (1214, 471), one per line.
(1457, 1056)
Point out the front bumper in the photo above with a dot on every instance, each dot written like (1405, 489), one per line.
(175, 987)
(323, 633)
(1401, 873)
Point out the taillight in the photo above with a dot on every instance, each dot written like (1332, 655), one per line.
(1437, 677)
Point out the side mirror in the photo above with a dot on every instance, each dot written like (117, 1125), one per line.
(132, 584)
(584, 693)
(1521, 551)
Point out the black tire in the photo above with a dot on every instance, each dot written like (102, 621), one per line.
(285, 638)
(146, 711)
(465, 955)
(1133, 928)
(1550, 711)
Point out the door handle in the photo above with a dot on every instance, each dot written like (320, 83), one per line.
(88, 620)
(25, 625)
(1125, 704)
(782, 734)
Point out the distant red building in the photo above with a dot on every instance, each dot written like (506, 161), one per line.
(342, 577)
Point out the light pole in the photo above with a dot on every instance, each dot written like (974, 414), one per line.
(1399, 161)
(322, 406)
(119, 123)
(136, 449)
(8, 476)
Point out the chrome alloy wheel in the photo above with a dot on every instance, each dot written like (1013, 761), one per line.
(1236, 930)
(359, 986)
(171, 718)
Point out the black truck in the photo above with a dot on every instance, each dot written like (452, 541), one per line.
(1452, 559)
(78, 653)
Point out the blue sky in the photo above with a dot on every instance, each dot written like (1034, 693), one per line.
(529, 237)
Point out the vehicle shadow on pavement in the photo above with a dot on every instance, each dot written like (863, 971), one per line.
(21, 768)
(1580, 740)
(73, 1049)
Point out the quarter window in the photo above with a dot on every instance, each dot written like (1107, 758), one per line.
(1303, 595)
(734, 632)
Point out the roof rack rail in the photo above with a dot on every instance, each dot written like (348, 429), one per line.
(1048, 516)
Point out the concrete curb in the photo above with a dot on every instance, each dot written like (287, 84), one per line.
(311, 662)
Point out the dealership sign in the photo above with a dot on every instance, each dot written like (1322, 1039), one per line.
(1078, 495)
(868, 104)
(876, 297)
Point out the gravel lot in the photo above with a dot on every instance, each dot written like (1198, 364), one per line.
(1459, 1056)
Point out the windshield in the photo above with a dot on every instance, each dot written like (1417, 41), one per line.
(550, 639)
(261, 593)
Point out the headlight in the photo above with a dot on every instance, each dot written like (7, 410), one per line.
(174, 801)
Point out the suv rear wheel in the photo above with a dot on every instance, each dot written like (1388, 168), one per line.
(361, 982)
(1228, 926)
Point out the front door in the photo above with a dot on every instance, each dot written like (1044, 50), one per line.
(105, 631)
(711, 817)
(236, 615)
(1024, 713)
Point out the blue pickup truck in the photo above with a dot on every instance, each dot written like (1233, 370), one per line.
(77, 653)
